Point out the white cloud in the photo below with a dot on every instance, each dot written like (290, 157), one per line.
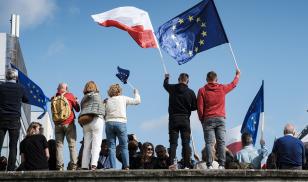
(32, 12)
(55, 48)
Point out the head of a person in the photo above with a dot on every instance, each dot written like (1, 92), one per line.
(132, 146)
(62, 87)
(161, 151)
(34, 129)
(104, 147)
(183, 78)
(3, 163)
(114, 90)
(148, 150)
(90, 87)
(211, 77)
(289, 129)
(11, 74)
(246, 139)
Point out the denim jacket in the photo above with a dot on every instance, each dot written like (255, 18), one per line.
(253, 156)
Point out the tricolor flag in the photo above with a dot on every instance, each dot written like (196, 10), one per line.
(131, 19)
(254, 115)
(250, 123)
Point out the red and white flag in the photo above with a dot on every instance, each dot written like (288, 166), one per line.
(131, 19)
(233, 139)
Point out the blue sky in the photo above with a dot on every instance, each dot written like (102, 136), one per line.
(61, 43)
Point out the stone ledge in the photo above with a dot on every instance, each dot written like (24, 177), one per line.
(157, 175)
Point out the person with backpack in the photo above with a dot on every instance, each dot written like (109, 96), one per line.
(63, 105)
(212, 115)
(182, 100)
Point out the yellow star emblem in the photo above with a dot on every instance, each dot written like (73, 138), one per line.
(201, 42)
(198, 19)
(203, 24)
(191, 18)
(196, 49)
(181, 21)
(204, 33)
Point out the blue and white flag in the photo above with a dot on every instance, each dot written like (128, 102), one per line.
(123, 74)
(252, 118)
(195, 30)
(34, 93)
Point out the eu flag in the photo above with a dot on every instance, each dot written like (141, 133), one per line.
(252, 118)
(34, 92)
(195, 30)
(123, 74)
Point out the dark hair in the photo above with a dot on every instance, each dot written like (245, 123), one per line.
(104, 142)
(132, 145)
(211, 76)
(144, 151)
(160, 147)
(246, 139)
(183, 77)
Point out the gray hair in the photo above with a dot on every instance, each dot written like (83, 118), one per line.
(289, 129)
(63, 86)
(11, 74)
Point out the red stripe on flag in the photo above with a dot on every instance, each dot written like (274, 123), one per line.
(235, 147)
(144, 38)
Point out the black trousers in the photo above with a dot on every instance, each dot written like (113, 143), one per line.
(13, 136)
(180, 124)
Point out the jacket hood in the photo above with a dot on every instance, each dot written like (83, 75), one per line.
(181, 88)
(212, 86)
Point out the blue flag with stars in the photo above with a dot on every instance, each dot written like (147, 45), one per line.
(35, 94)
(123, 74)
(252, 118)
(195, 30)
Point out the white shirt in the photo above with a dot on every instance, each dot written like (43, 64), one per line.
(116, 107)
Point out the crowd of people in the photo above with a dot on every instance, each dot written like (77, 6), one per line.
(98, 116)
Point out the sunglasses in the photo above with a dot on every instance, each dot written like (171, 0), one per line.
(149, 149)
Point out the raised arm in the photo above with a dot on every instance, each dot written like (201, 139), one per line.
(232, 85)
(134, 101)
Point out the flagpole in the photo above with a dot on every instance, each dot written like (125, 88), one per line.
(235, 62)
(161, 56)
(130, 85)
(262, 126)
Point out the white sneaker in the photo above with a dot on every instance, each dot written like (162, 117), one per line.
(210, 167)
(221, 167)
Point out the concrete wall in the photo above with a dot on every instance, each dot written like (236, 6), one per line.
(157, 176)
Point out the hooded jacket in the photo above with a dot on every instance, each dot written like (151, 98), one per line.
(211, 99)
(182, 100)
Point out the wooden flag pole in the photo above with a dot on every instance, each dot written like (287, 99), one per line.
(235, 62)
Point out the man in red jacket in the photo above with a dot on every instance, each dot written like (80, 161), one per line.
(67, 129)
(211, 112)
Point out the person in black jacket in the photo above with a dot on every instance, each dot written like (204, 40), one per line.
(12, 95)
(182, 100)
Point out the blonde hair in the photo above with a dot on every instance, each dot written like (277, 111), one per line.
(32, 128)
(90, 87)
(114, 90)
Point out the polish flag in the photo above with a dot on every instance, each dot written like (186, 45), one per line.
(131, 19)
(233, 139)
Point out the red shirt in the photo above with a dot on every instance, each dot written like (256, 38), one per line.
(211, 99)
(73, 105)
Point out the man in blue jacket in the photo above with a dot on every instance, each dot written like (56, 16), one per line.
(289, 150)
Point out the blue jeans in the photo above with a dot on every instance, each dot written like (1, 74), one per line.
(215, 128)
(113, 130)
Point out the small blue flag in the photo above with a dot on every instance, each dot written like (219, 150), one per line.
(252, 118)
(35, 94)
(195, 30)
(123, 75)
